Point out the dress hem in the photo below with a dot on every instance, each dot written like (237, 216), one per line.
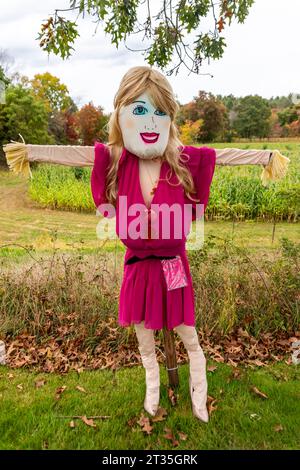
(127, 325)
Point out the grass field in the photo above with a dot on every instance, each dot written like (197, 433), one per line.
(32, 418)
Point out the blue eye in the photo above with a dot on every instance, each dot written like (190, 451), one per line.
(159, 113)
(139, 110)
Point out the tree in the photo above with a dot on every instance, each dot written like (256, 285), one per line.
(166, 29)
(3, 78)
(91, 123)
(71, 128)
(5, 62)
(23, 113)
(229, 101)
(190, 131)
(252, 117)
(187, 112)
(214, 116)
(289, 115)
(294, 128)
(49, 89)
(275, 127)
(281, 102)
(208, 110)
(59, 104)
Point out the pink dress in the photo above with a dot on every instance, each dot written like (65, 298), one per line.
(144, 294)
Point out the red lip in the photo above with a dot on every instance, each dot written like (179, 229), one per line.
(149, 137)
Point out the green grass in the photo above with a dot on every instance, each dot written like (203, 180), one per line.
(30, 418)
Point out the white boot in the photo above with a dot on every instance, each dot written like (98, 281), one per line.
(146, 347)
(197, 379)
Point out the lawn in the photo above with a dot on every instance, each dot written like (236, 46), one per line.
(31, 417)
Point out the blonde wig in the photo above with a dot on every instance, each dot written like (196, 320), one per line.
(134, 83)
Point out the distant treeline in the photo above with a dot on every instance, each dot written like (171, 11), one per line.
(43, 112)
(210, 118)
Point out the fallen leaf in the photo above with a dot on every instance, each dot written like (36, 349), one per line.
(49, 353)
(219, 358)
(278, 428)
(236, 374)
(10, 376)
(170, 436)
(232, 363)
(20, 386)
(160, 415)
(211, 402)
(172, 396)
(212, 368)
(81, 389)
(132, 422)
(258, 392)
(144, 422)
(59, 392)
(258, 363)
(39, 383)
(88, 422)
(182, 436)
(72, 424)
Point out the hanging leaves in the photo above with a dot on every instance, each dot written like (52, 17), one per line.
(166, 28)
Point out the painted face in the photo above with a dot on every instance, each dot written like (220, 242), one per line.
(145, 129)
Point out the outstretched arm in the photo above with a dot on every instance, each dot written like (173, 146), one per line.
(233, 156)
(275, 164)
(19, 155)
(69, 155)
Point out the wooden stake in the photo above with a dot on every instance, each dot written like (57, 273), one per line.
(171, 361)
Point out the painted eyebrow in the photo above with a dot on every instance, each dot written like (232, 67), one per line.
(139, 102)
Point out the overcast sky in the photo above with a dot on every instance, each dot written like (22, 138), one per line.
(262, 55)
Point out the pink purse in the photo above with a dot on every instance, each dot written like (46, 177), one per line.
(174, 273)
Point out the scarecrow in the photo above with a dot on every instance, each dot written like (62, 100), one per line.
(143, 168)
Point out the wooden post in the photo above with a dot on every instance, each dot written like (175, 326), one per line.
(171, 361)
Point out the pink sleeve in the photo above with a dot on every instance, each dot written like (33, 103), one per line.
(202, 162)
(205, 174)
(99, 174)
